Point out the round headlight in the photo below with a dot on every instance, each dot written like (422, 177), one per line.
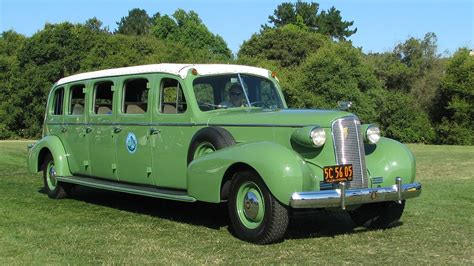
(373, 134)
(318, 136)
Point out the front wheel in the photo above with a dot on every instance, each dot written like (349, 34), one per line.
(54, 188)
(255, 215)
(378, 215)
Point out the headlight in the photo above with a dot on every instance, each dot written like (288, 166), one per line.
(373, 134)
(310, 136)
(318, 136)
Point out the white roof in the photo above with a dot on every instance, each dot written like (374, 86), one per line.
(175, 69)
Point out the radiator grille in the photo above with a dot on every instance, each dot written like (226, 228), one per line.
(349, 149)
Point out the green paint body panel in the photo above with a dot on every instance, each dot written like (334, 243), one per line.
(287, 172)
(91, 145)
(53, 145)
(390, 159)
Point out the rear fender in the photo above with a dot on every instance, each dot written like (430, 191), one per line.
(49, 144)
(281, 169)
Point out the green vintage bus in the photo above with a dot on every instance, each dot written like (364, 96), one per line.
(219, 133)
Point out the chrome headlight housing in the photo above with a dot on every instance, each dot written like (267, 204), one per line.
(318, 136)
(372, 134)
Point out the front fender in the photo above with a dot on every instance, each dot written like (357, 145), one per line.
(390, 159)
(53, 145)
(281, 169)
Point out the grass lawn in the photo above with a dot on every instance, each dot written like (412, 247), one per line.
(96, 226)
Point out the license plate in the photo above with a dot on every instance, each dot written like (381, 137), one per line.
(338, 173)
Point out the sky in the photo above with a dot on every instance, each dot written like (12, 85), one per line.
(380, 24)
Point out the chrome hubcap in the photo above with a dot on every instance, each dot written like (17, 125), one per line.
(52, 181)
(251, 205)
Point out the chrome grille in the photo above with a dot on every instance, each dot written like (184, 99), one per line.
(349, 149)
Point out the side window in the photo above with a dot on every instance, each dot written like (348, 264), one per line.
(103, 98)
(135, 96)
(172, 97)
(58, 101)
(77, 100)
(204, 93)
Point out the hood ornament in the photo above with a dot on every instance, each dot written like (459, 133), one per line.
(344, 105)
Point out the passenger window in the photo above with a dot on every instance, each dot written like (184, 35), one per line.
(135, 96)
(58, 101)
(172, 97)
(77, 100)
(103, 98)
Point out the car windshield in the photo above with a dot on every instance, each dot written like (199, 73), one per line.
(236, 90)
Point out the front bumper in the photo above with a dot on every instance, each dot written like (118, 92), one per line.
(342, 197)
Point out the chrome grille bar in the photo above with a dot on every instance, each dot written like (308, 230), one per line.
(349, 149)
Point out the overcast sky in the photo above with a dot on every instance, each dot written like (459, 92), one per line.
(380, 24)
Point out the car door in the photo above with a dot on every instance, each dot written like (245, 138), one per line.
(132, 131)
(100, 130)
(74, 130)
(55, 111)
(173, 130)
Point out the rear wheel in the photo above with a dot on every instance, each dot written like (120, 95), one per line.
(54, 188)
(378, 215)
(255, 215)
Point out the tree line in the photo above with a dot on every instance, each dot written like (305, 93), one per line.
(412, 92)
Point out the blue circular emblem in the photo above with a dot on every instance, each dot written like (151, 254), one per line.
(131, 142)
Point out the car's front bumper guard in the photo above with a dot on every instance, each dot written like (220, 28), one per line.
(342, 197)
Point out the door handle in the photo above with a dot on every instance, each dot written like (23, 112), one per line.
(117, 129)
(88, 129)
(63, 129)
(154, 131)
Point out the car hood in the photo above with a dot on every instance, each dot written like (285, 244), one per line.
(281, 117)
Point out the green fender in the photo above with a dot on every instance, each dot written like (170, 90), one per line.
(390, 159)
(54, 145)
(282, 170)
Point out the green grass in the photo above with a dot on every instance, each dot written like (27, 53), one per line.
(105, 227)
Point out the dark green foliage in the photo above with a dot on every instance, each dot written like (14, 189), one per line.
(328, 23)
(287, 46)
(187, 28)
(331, 24)
(136, 23)
(400, 117)
(336, 72)
(455, 101)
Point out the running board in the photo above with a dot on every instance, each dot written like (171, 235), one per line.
(127, 188)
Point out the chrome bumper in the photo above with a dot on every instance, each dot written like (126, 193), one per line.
(342, 197)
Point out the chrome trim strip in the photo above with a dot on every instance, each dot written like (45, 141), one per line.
(127, 188)
(334, 198)
(376, 180)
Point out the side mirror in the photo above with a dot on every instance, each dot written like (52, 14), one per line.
(344, 105)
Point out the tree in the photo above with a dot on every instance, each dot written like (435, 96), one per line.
(187, 28)
(328, 23)
(136, 23)
(288, 45)
(455, 101)
(95, 25)
(335, 72)
(413, 67)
